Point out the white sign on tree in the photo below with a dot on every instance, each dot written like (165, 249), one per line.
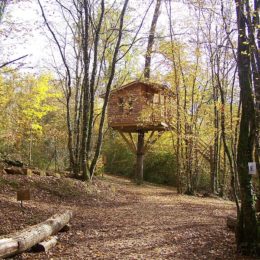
(252, 168)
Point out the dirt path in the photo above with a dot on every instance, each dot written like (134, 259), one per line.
(147, 222)
(155, 223)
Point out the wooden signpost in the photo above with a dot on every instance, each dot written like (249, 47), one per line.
(22, 195)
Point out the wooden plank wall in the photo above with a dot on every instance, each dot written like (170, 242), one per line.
(130, 106)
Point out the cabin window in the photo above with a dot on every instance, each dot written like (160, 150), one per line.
(149, 98)
(121, 104)
(130, 105)
(156, 99)
(162, 100)
(125, 105)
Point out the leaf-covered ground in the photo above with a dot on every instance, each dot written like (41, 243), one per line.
(115, 219)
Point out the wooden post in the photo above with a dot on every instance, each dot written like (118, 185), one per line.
(130, 144)
(140, 158)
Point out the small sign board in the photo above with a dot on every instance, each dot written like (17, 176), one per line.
(23, 195)
(252, 168)
(104, 159)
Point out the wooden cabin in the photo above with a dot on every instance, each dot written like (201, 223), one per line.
(140, 106)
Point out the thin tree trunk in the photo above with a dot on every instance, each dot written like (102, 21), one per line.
(147, 66)
(86, 94)
(177, 93)
(108, 88)
(226, 149)
(93, 77)
(67, 87)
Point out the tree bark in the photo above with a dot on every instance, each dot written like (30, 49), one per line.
(86, 92)
(140, 158)
(93, 79)
(247, 227)
(252, 25)
(147, 66)
(25, 239)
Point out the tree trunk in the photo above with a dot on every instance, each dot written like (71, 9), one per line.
(25, 239)
(86, 92)
(216, 151)
(108, 88)
(140, 158)
(178, 113)
(212, 169)
(93, 79)
(226, 148)
(247, 226)
(147, 66)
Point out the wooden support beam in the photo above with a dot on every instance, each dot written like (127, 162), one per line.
(147, 147)
(130, 145)
(132, 140)
(148, 140)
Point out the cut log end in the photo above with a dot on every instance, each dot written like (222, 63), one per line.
(66, 228)
(46, 245)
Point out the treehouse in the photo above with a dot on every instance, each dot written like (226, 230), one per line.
(140, 107)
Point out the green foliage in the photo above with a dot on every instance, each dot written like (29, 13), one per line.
(34, 102)
(120, 160)
(159, 164)
(159, 167)
(31, 124)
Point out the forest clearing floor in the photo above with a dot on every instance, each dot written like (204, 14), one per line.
(115, 219)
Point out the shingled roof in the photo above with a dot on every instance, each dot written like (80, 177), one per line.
(154, 86)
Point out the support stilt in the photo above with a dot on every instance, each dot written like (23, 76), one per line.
(140, 158)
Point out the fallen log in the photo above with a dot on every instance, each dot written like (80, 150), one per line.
(45, 245)
(27, 171)
(40, 173)
(28, 237)
(53, 174)
(15, 171)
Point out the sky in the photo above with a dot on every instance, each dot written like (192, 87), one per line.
(28, 36)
